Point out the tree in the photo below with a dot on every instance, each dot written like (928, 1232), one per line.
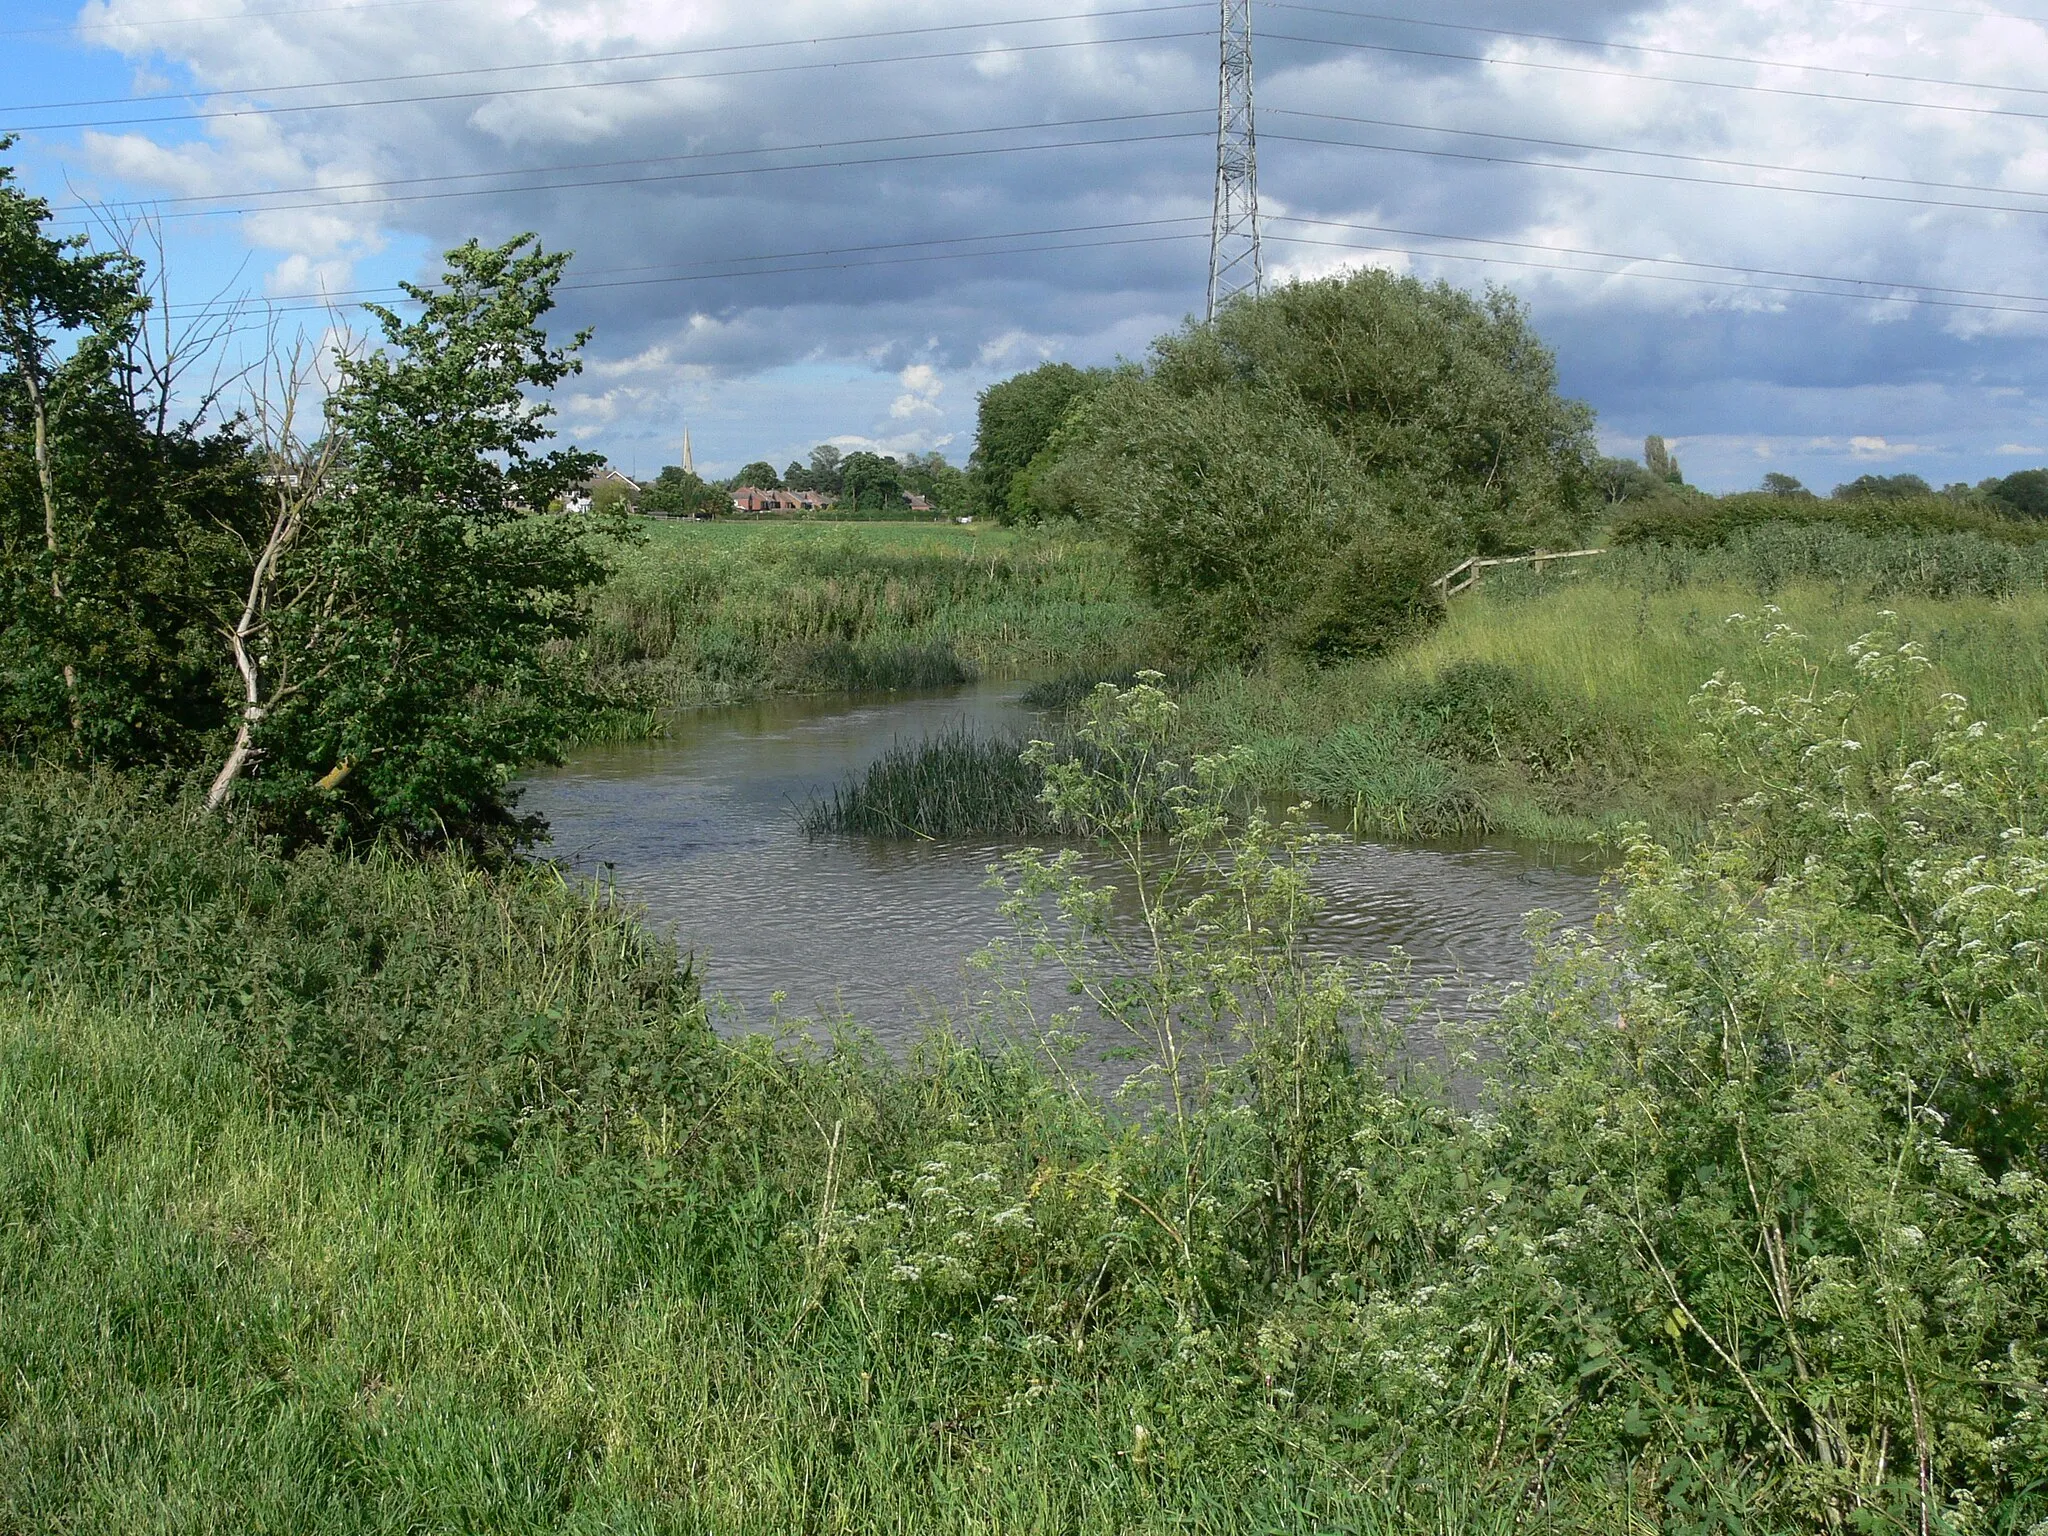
(871, 483)
(1295, 475)
(825, 469)
(119, 523)
(1883, 488)
(677, 492)
(1624, 480)
(930, 476)
(760, 475)
(797, 477)
(2024, 492)
(1776, 484)
(1016, 420)
(1661, 462)
(412, 625)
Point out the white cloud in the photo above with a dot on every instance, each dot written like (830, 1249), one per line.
(669, 238)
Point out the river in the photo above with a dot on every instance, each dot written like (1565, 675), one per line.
(699, 828)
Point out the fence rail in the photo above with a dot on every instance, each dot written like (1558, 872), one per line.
(1474, 568)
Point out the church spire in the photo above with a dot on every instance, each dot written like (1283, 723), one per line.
(689, 459)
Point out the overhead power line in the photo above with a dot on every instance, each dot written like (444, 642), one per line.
(1579, 169)
(1718, 275)
(709, 175)
(1665, 154)
(1647, 48)
(190, 21)
(242, 204)
(602, 165)
(335, 194)
(1892, 288)
(1748, 87)
(1349, 45)
(1666, 277)
(586, 85)
(701, 51)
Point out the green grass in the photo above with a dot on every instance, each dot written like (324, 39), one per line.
(1561, 708)
(352, 1195)
(715, 611)
(216, 1319)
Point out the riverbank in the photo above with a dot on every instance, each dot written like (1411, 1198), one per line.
(1551, 707)
(338, 1192)
(709, 613)
(1564, 711)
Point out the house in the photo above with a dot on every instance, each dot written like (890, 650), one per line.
(579, 499)
(918, 503)
(749, 498)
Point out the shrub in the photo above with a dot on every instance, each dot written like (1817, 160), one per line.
(483, 1007)
(1292, 477)
(1702, 522)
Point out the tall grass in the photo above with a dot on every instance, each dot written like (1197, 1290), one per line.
(1559, 705)
(706, 613)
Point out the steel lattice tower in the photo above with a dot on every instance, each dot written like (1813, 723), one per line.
(1234, 260)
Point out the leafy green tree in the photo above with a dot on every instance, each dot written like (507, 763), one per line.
(120, 525)
(1661, 462)
(1624, 480)
(1296, 475)
(413, 628)
(1446, 400)
(930, 476)
(1016, 421)
(1776, 484)
(760, 475)
(677, 492)
(2024, 492)
(797, 477)
(825, 472)
(1883, 488)
(612, 498)
(871, 483)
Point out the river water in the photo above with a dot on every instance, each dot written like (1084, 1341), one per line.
(700, 829)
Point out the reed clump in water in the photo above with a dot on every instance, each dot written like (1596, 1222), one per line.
(958, 783)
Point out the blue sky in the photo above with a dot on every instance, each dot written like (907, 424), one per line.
(1801, 237)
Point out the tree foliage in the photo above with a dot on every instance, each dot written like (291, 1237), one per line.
(121, 526)
(1883, 488)
(760, 475)
(1015, 423)
(1294, 475)
(678, 492)
(417, 619)
(2025, 493)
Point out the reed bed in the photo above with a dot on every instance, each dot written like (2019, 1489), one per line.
(709, 613)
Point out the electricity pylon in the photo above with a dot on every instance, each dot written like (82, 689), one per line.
(1234, 261)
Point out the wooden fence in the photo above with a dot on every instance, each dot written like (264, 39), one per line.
(1472, 569)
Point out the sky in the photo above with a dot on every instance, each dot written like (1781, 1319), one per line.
(1802, 236)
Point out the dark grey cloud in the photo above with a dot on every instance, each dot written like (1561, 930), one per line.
(874, 282)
